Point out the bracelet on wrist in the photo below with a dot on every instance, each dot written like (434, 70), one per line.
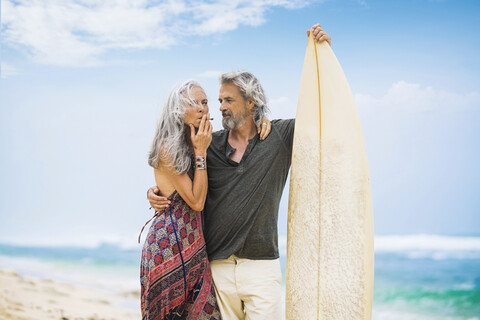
(200, 163)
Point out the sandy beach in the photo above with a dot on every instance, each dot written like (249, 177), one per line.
(26, 298)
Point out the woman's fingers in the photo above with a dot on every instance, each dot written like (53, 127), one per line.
(201, 128)
(265, 130)
(208, 125)
(192, 132)
(203, 137)
(210, 128)
(206, 129)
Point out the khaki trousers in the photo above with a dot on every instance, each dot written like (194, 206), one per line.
(247, 289)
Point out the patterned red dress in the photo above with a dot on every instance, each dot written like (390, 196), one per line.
(175, 273)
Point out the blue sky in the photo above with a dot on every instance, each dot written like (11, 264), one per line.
(83, 82)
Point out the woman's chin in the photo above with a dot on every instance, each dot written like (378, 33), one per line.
(196, 124)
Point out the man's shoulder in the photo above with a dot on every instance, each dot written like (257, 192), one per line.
(217, 135)
(218, 138)
(283, 124)
(283, 121)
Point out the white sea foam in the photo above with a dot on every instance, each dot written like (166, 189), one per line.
(388, 314)
(418, 242)
(89, 241)
(465, 286)
(423, 246)
(415, 245)
(113, 279)
(425, 242)
(419, 246)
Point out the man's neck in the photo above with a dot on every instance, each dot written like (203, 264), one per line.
(244, 133)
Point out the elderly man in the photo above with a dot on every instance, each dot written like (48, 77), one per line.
(246, 177)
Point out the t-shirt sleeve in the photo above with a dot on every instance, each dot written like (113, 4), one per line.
(285, 128)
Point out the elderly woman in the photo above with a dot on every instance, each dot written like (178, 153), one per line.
(175, 273)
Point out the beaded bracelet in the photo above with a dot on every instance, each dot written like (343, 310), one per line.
(200, 163)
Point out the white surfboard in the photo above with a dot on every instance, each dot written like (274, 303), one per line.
(330, 225)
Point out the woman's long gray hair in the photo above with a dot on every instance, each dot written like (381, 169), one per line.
(170, 145)
(249, 87)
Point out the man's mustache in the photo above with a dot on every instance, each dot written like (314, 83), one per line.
(227, 113)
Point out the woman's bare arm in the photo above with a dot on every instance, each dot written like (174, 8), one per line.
(193, 192)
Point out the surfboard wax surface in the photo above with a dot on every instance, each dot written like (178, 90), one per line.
(329, 272)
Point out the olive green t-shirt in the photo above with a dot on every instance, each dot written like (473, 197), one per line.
(241, 210)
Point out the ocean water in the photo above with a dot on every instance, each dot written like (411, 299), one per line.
(427, 277)
(416, 276)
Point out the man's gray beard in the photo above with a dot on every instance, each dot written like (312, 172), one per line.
(234, 122)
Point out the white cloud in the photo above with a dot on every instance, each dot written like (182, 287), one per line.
(76, 33)
(362, 3)
(412, 98)
(7, 71)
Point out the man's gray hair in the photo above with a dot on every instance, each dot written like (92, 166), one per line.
(249, 87)
(170, 145)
